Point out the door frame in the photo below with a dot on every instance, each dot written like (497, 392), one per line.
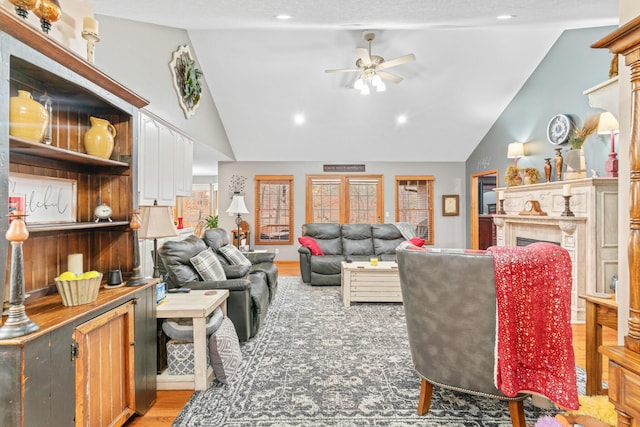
(473, 204)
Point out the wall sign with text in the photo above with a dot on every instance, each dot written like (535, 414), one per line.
(46, 200)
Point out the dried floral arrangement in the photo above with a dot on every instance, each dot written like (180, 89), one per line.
(580, 134)
(531, 175)
(512, 176)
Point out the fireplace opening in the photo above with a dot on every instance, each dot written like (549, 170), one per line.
(525, 241)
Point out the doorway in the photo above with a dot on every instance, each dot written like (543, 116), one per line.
(482, 206)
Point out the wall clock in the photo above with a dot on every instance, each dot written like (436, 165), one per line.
(186, 80)
(559, 128)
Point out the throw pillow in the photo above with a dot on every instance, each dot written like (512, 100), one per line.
(208, 265)
(417, 241)
(234, 256)
(311, 244)
(224, 352)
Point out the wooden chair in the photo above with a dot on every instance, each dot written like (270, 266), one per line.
(245, 233)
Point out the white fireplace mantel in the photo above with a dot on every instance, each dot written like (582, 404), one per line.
(590, 236)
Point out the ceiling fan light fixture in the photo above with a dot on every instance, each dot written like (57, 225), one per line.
(376, 80)
(381, 87)
(365, 90)
(358, 84)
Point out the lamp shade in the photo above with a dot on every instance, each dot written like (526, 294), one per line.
(237, 205)
(157, 222)
(515, 150)
(607, 123)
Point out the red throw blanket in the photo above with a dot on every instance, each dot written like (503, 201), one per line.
(533, 339)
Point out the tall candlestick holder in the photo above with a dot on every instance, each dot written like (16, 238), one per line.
(567, 209)
(136, 277)
(91, 38)
(501, 211)
(18, 323)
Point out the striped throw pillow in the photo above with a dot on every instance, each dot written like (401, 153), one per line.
(208, 266)
(234, 256)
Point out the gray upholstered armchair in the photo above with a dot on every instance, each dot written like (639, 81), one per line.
(494, 323)
(450, 305)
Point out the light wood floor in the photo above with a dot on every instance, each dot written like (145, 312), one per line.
(170, 403)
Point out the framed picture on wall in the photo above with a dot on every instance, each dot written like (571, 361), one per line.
(450, 205)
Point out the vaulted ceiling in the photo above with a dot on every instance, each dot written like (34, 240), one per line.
(265, 73)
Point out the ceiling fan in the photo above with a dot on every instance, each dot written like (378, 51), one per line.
(372, 68)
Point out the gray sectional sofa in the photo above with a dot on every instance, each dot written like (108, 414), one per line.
(345, 242)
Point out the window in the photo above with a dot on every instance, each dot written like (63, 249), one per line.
(344, 198)
(202, 203)
(274, 209)
(414, 204)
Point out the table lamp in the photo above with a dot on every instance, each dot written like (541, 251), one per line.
(515, 150)
(238, 207)
(157, 222)
(609, 125)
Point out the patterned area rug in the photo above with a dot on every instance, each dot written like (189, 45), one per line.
(317, 363)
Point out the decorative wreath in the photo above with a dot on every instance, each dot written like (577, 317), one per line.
(186, 80)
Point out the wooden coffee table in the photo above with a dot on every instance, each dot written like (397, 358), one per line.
(363, 282)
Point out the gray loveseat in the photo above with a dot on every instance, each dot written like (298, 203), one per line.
(345, 242)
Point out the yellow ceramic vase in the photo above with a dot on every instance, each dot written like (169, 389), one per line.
(28, 119)
(98, 140)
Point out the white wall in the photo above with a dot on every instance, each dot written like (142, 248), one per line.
(67, 30)
(449, 231)
(138, 56)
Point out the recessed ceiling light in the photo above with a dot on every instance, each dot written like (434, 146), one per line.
(299, 119)
(505, 17)
(402, 119)
(283, 16)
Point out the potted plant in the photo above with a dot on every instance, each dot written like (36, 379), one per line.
(211, 221)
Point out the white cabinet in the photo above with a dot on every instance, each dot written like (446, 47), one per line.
(166, 158)
(166, 167)
(184, 166)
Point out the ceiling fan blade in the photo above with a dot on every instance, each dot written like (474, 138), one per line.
(388, 76)
(363, 53)
(398, 61)
(342, 70)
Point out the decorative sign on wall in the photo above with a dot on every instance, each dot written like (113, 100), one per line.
(343, 168)
(186, 80)
(46, 200)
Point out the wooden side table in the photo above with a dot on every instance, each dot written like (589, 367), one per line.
(197, 305)
(600, 312)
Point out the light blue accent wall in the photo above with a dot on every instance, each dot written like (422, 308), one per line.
(556, 86)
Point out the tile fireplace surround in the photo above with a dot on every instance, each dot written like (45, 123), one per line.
(591, 236)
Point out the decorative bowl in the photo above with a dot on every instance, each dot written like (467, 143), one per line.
(78, 292)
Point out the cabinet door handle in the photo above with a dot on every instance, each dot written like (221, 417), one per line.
(132, 343)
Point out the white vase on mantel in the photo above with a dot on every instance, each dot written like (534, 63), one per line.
(576, 164)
